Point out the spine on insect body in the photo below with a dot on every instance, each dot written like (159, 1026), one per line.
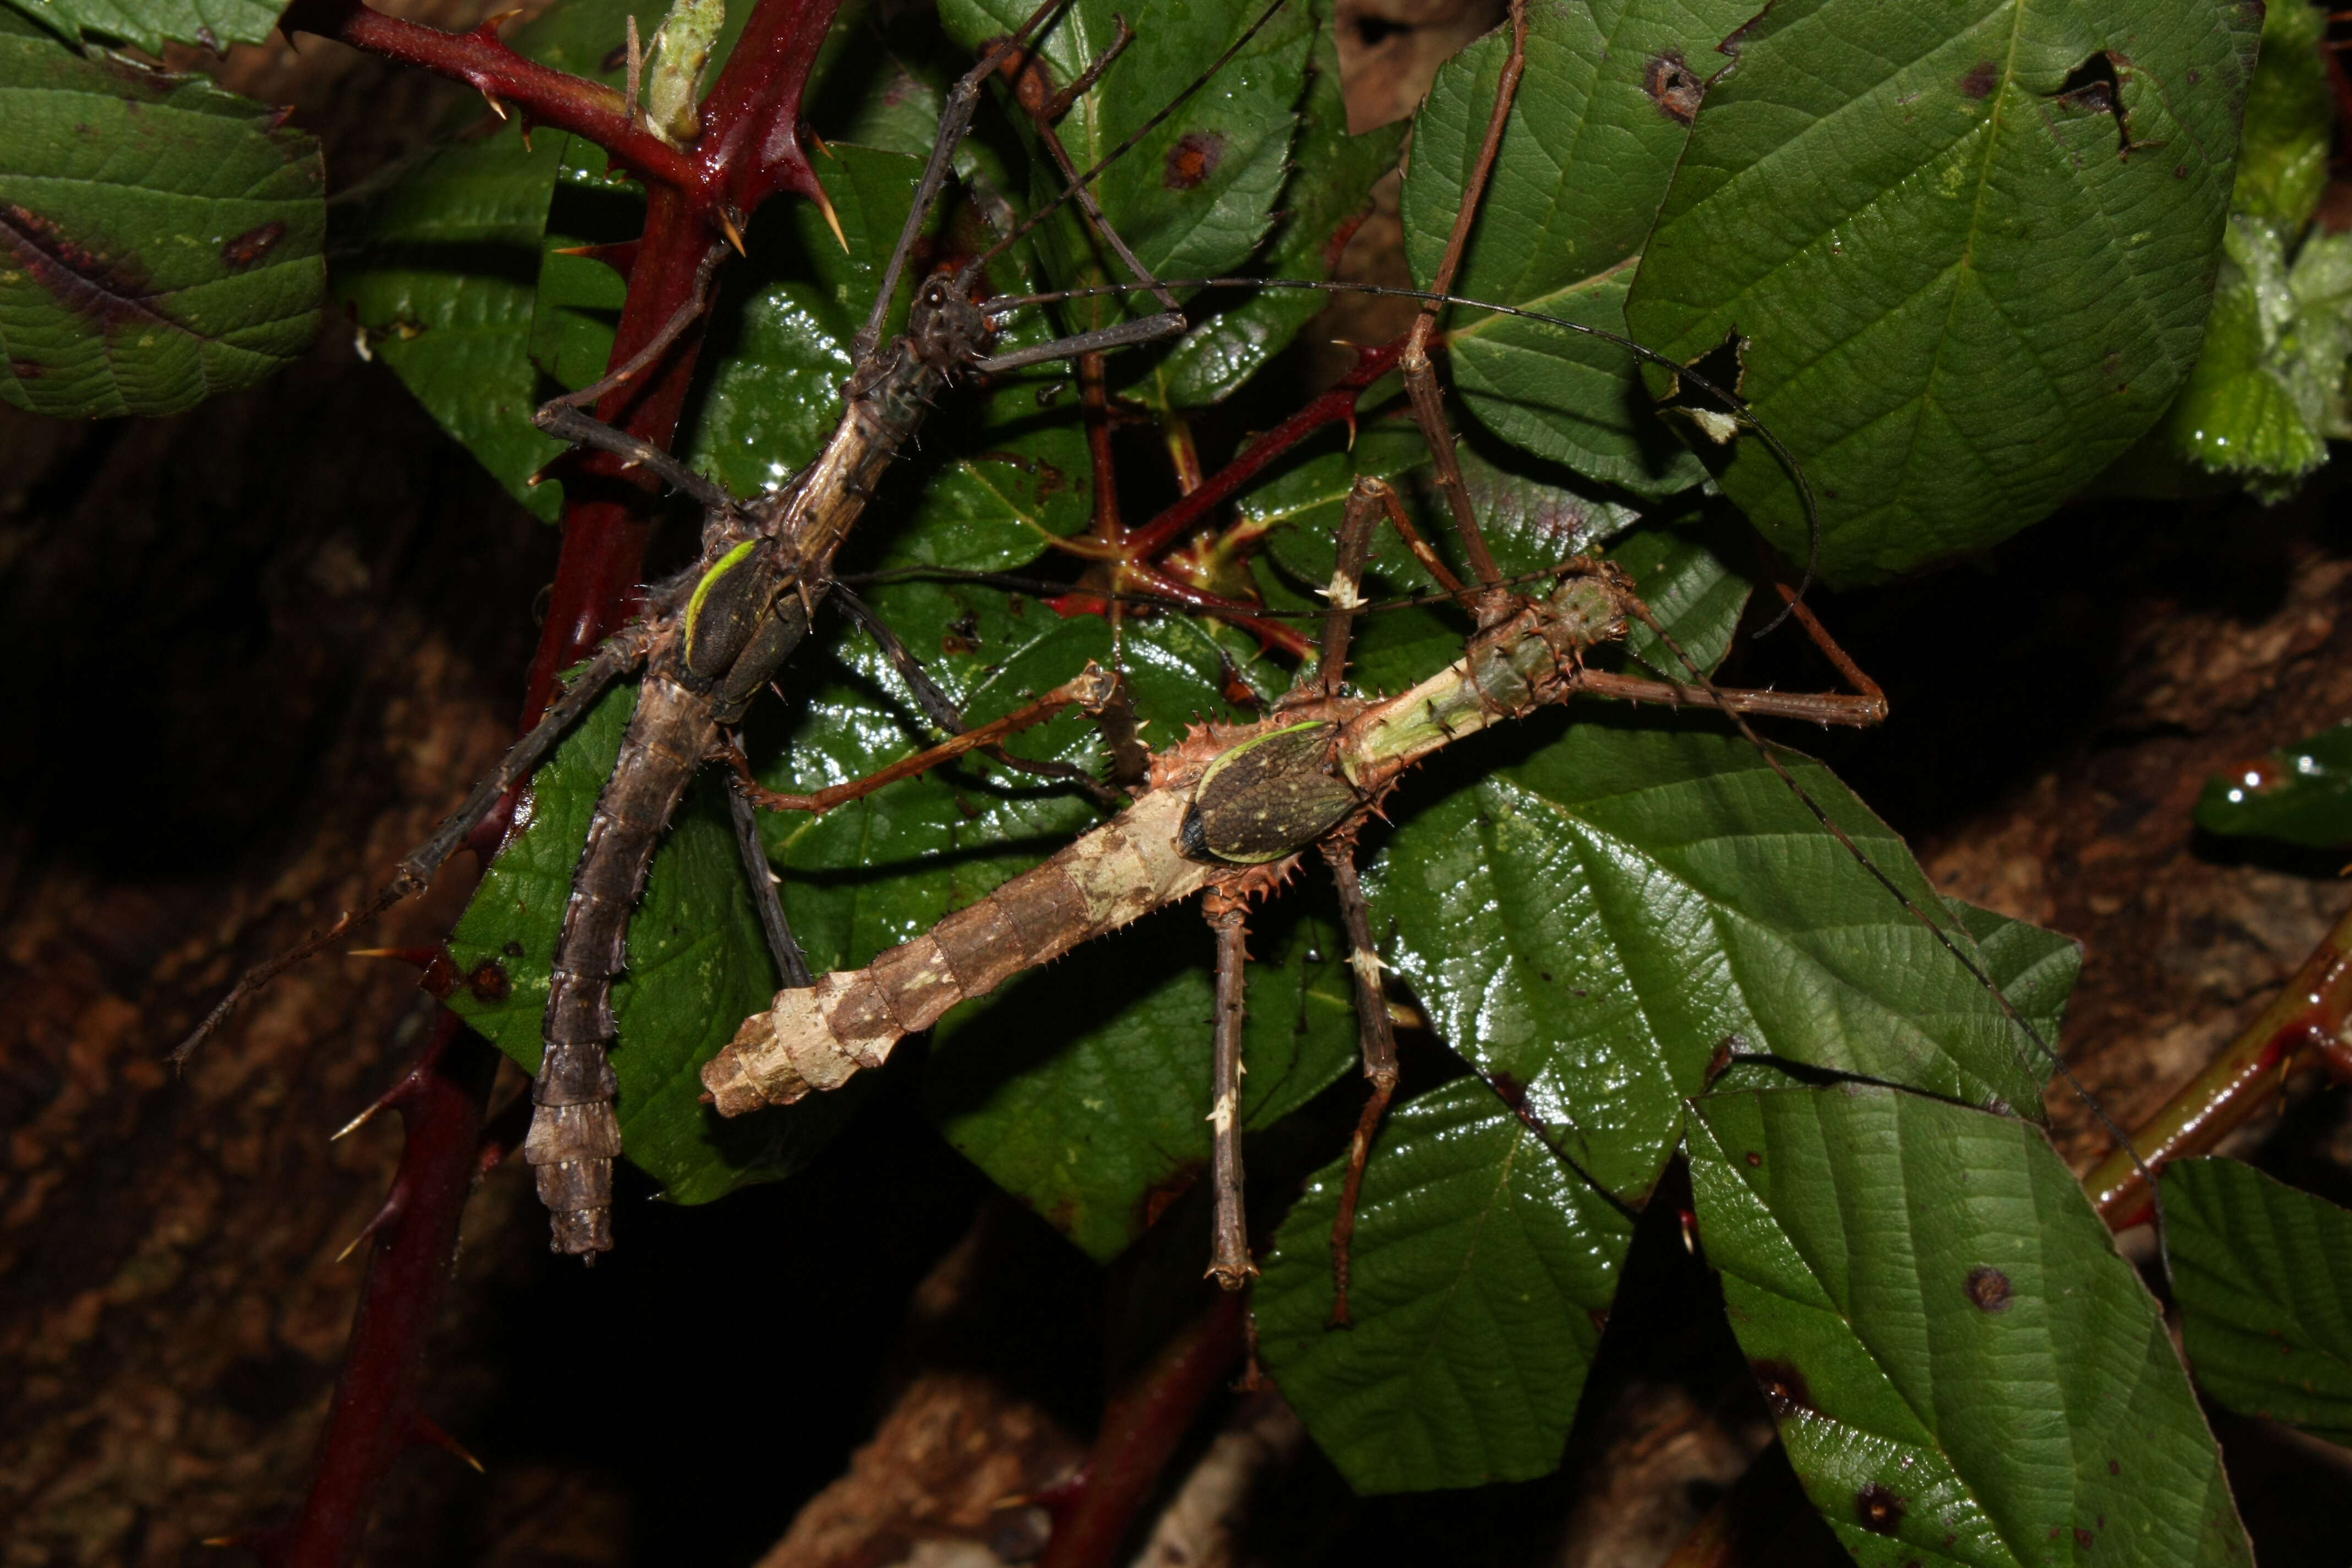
(851, 1019)
(574, 1132)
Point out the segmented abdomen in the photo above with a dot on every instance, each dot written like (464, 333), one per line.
(815, 1038)
(574, 1134)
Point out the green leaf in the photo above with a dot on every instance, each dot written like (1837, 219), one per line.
(2263, 1276)
(1586, 159)
(443, 280)
(2299, 794)
(1962, 1369)
(1483, 1268)
(2268, 392)
(1596, 908)
(2283, 158)
(152, 24)
(1196, 195)
(158, 238)
(697, 966)
(1328, 191)
(1970, 250)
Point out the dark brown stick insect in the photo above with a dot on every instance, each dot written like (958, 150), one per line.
(714, 635)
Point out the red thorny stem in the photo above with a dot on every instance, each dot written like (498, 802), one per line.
(415, 1234)
(1140, 1430)
(2309, 1016)
(750, 150)
(1135, 549)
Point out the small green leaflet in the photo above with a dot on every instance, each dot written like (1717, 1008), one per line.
(1962, 1368)
(2299, 794)
(160, 238)
(2263, 1276)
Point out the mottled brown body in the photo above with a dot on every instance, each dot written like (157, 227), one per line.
(715, 637)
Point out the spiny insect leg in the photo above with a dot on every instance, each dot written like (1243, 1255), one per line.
(417, 868)
(1378, 1042)
(941, 711)
(955, 120)
(565, 423)
(1229, 1254)
(782, 946)
(1091, 688)
(1420, 378)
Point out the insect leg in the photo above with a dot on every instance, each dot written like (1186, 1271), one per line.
(566, 423)
(955, 119)
(1419, 378)
(1354, 548)
(782, 946)
(1378, 1043)
(1229, 1255)
(417, 868)
(1092, 688)
(944, 713)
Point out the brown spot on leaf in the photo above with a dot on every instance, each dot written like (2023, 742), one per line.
(1989, 1288)
(2083, 1537)
(1167, 1189)
(962, 638)
(27, 370)
(1785, 1388)
(1878, 1510)
(251, 247)
(1673, 85)
(110, 291)
(488, 982)
(2115, 1468)
(1755, 1160)
(1513, 1092)
(1194, 159)
(1983, 78)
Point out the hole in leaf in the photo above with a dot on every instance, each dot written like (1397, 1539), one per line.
(1673, 85)
(2094, 88)
(1720, 367)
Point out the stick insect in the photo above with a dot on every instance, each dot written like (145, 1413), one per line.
(715, 634)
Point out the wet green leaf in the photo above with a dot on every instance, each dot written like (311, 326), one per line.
(1197, 195)
(1592, 912)
(1970, 249)
(2268, 392)
(1328, 191)
(1962, 1369)
(160, 238)
(2263, 1276)
(151, 23)
(2298, 794)
(443, 280)
(1084, 1089)
(1483, 1268)
(1601, 117)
